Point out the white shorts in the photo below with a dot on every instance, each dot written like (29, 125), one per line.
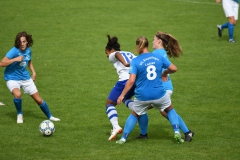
(230, 8)
(141, 107)
(28, 86)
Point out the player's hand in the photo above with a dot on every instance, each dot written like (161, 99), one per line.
(164, 77)
(34, 75)
(218, 1)
(19, 58)
(120, 98)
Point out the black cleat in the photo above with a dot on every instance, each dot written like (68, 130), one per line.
(189, 135)
(142, 136)
(219, 27)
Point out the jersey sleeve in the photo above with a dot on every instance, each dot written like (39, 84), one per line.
(166, 62)
(112, 57)
(11, 53)
(133, 68)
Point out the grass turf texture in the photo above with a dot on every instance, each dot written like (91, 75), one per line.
(74, 77)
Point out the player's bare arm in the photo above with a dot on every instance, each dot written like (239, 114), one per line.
(6, 61)
(121, 59)
(30, 65)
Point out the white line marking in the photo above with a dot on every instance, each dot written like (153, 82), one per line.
(198, 2)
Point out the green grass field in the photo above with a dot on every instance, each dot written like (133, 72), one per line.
(74, 77)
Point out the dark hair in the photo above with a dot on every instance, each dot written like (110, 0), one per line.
(170, 44)
(113, 43)
(23, 34)
(141, 42)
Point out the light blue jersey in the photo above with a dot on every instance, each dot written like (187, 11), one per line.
(17, 70)
(148, 70)
(168, 84)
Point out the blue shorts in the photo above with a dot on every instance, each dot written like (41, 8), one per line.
(117, 90)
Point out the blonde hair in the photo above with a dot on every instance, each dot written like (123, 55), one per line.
(170, 44)
(141, 42)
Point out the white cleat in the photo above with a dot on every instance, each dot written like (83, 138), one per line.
(121, 141)
(19, 118)
(114, 133)
(54, 119)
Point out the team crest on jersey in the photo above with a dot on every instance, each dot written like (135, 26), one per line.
(22, 64)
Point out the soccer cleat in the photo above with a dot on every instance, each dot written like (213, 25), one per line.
(219, 27)
(121, 141)
(19, 118)
(142, 136)
(114, 133)
(189, 135)
(231, 41)
(178, 138)
(54, 119)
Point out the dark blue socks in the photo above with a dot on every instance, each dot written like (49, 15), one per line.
(18, 104)
(45, 109)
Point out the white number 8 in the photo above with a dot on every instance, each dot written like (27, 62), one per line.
(151, 72)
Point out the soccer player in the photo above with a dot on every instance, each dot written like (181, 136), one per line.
(230, 8)
(121, 61)
(17, 76)
(146, 73)
(166, 45)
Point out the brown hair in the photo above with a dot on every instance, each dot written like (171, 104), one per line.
(141, 42)
(23, 34)
(170, 44)
(113, 43)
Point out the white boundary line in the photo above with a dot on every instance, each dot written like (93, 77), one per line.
(198, 2)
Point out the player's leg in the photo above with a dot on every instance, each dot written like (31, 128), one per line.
(143, 125)
(30, 88)
(113, 118)
(182, 126)
(231, 28)
(111, 110)
(227, 9)
(142, 120)
(43, 106)
(232, 18)
(140, 107)
(128, 127)
(128, 98)
(14, 88)
(173, 119)
(164, 104)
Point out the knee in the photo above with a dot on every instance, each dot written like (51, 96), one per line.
(37, 98)
(233, 22)
(164, 114)
(109, 102)
(16, 93)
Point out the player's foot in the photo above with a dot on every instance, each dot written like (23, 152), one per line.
(231, 41)
(121, 141)
(219, 27)
(19, 118)
(114, 133)
(142, 136)
(54, 119)
(178, 138)
(189, 135)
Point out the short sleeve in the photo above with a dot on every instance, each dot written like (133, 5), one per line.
(112, 57)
